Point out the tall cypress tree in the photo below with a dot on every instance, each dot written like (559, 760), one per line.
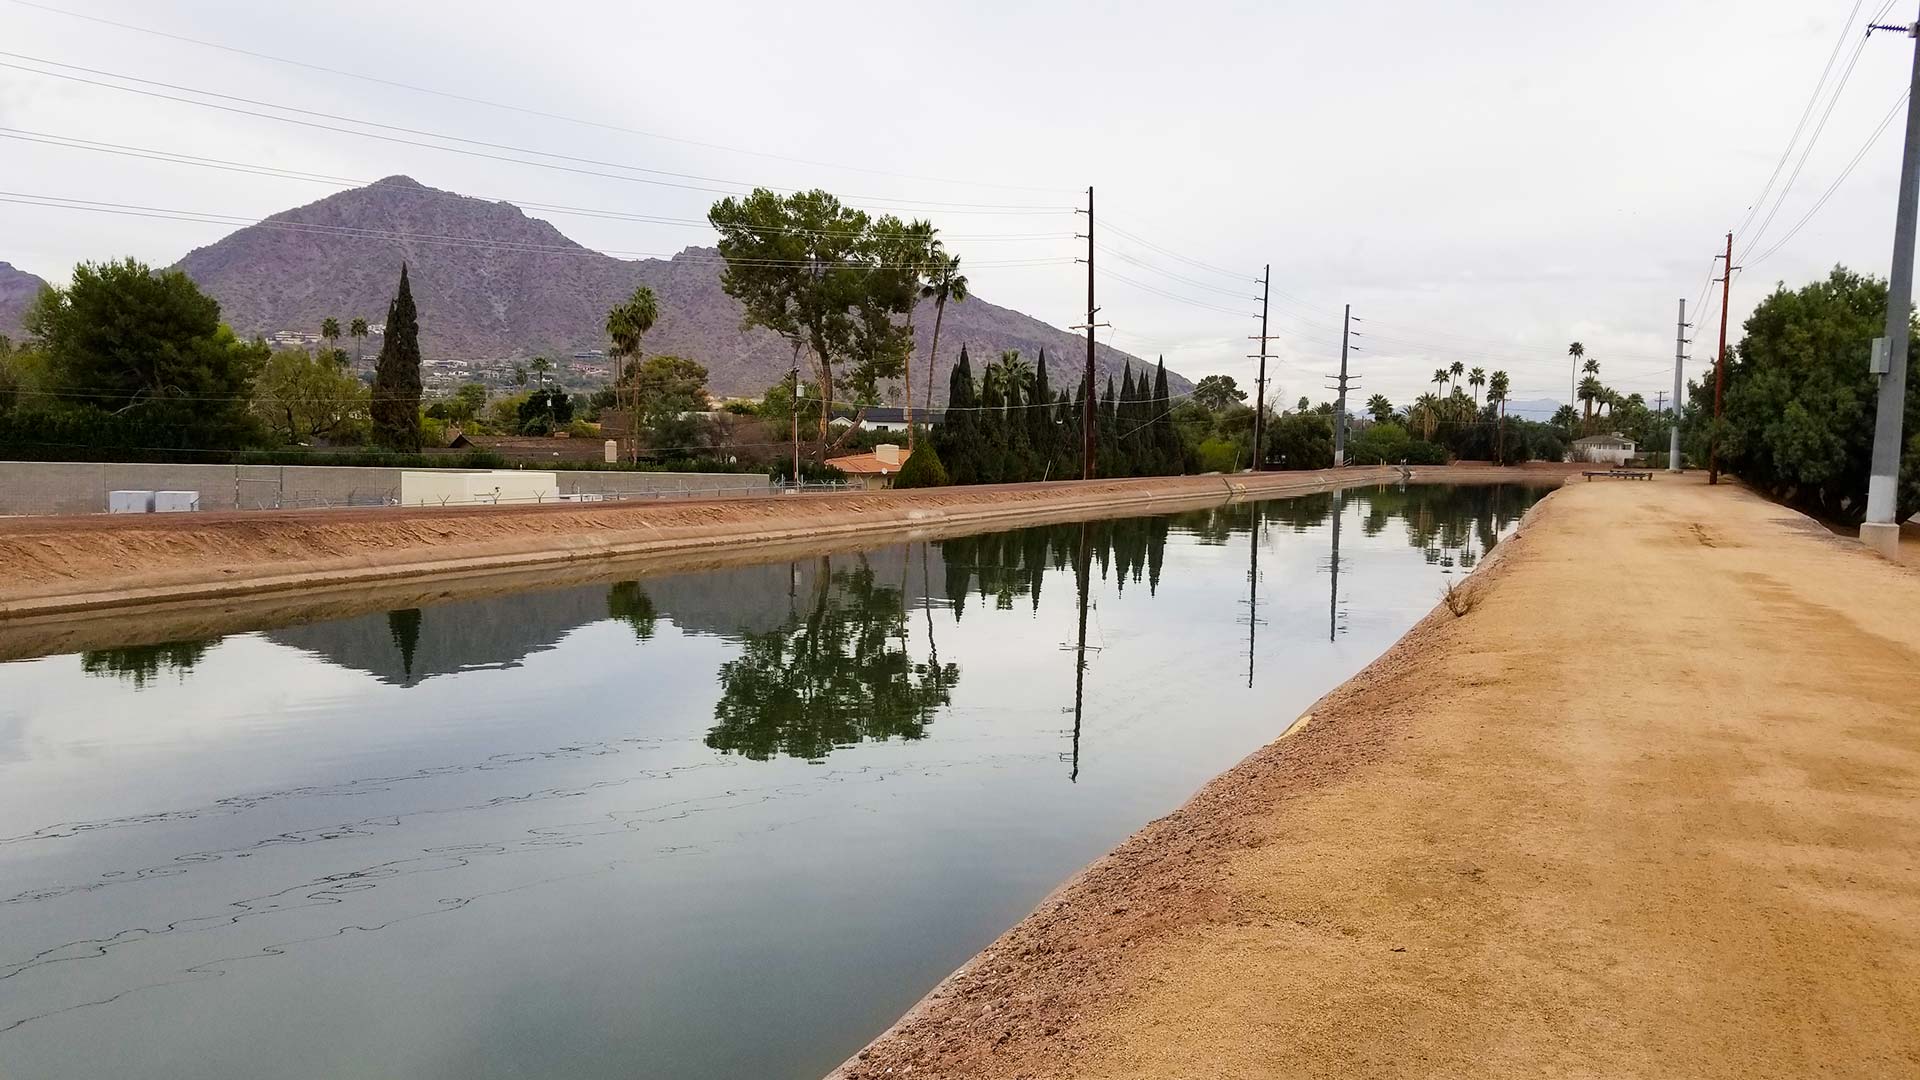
(1107, 460)
(959, 436)
(1167, 438)
(993, 463)
(1020, 457)
(1041, 432)
(396, 378)
(1128, 413)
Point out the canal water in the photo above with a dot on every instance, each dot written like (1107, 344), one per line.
(725, 824)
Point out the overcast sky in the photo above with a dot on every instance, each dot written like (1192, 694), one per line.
(1481, 181)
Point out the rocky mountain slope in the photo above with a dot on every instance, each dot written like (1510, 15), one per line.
(492, 282)
(17, 290)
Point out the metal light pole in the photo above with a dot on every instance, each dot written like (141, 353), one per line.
(1679, 354)
(1881, 530)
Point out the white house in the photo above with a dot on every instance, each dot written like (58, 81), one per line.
(1614, 449)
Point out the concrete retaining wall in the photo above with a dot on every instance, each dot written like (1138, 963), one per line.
(78, 487)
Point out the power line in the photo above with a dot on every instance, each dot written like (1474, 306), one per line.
(878, 203)
(146, 153)
(1812, 99)
(350, 232)
(524, 110)
(1858, 155)
(1753, 238)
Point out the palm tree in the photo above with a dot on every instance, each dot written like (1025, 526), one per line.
(1380, 408)
(358, 330)
(626, 325)
(1440, 379)
(944, 284)
(330, 333)
(1455, 370)
(540, 366)
(1497, 389)
(1011, 375)
(1477, 378)
(1575, 350)
(1425, 412)
(1588, 393)
(920, 248)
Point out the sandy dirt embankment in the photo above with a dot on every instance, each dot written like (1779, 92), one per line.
(1650, 809)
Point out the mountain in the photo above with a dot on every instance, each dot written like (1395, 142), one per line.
(493, 283)
(17, 290)
(1541, 409)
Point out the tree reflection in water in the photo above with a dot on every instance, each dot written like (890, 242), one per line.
(142, 664)
(836, 674)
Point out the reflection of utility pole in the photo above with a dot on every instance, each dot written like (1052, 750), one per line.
(1333, 601)
(1083, 575)
(1253, 586)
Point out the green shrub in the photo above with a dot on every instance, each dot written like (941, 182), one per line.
(923, 469)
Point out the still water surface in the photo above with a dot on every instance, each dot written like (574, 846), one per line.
(726, 824)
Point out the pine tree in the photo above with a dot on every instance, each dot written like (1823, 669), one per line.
(1067, 448)
(396, 377)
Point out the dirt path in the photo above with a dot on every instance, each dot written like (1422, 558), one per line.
(1652, 808)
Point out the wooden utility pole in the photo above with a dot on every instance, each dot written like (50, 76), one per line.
(1720, 366)
(1087, 411)
(1260, 390)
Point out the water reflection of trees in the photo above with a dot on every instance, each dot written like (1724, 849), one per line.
(142, 664)
(837, 673)
(1002, 567)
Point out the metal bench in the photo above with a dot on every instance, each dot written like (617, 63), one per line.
(1619, 474)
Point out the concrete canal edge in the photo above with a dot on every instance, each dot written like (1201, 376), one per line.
(74, 566)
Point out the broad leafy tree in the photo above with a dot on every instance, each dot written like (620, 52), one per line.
(146, 345)
(1799, 408)
(301, 398)
(1218, 393)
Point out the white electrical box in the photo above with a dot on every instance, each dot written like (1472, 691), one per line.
(129, 502)
(1877, 362)
(451, 487)
(175, 502)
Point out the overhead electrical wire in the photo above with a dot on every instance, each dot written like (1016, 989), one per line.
(150, 154)
(1853, 163)
(522, 109)
(876, 202)
(1752, 240)
(1812, 100)
(349, 232)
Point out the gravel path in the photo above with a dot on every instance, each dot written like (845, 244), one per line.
(1651, 808)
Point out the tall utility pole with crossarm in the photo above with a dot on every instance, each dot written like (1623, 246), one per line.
(1881, 530)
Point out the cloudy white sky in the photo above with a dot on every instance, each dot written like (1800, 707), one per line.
(1481, 181)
